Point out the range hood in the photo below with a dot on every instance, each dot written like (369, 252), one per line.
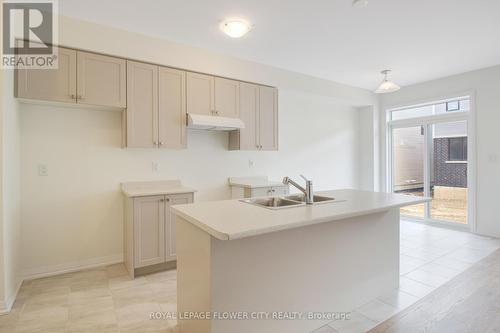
(213, 123)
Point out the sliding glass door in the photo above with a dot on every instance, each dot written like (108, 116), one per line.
(408, 166)
(449, 164)
(429, 156)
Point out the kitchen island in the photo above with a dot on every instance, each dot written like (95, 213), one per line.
(260, 264)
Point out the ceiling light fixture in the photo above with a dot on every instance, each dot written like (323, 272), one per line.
(235, 28)
(387, 86)
(359, 3)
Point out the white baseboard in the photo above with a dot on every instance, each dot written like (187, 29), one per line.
(46, 271)
(5, 307)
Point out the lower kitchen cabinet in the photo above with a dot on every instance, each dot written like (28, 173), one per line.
(252, 187)
(149, 232)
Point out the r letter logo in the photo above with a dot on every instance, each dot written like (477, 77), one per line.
(29, 33)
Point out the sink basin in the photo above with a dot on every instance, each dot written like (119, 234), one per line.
(273, 202)
(316, 198)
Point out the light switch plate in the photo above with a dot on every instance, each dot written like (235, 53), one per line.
(43, 170)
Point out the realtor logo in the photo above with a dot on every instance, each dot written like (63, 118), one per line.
(29, 31)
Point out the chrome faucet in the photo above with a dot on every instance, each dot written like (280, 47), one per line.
(308, 191)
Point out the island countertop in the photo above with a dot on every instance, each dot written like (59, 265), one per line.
(234, 219)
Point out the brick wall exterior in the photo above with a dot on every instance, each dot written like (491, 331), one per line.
(447, 174)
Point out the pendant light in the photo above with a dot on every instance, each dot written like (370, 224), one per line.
(387, 86)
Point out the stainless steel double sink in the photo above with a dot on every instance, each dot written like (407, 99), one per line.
(294, 200)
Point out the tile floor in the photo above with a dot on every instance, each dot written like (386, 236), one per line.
(106, 300)
(430, 257)
(98, 300)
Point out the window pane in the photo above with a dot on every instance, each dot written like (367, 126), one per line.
(408, 161)
(432, 109)
(449, 172)
(457, 149)
(452, 106)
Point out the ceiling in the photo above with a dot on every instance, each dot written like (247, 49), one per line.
(419, 39)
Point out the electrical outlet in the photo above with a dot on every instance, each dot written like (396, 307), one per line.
(155, 167)
(43, 170)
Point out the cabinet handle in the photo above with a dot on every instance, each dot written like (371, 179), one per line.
(155, 143)
(167, 200)
(161, 143)
(73, 96)
(161, 200)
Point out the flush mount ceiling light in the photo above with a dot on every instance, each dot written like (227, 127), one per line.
(387, 86)
(359, 3)
(235, 28)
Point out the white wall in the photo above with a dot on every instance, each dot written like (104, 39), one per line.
(367, 145)
(485, 84)
(73, 216)
(11, 210)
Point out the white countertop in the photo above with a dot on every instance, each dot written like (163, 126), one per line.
(233, 219)
(254, 182)
(161, 187)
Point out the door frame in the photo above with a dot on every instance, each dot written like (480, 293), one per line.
(426, 121)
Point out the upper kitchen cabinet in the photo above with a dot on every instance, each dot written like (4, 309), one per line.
(57, 85)
(101, 80)
(247, 138)
(142, 105)
(227, 97)
(259, 112)
(212, 96)
(172, 108)
(156, 107)
(200, 94)
(268, 118)
(81, 77)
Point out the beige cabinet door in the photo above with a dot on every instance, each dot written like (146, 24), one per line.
(280, 190)
(175, 199)
(172, 108)
(227, 97)
(57, 85)
(261, 192)
(101, 80)
(268, 118)
(249, 114)
(142, 105)
(149, 231)
(200, 93)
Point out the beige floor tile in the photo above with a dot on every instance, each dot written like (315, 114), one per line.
(162, 276)
(165, 291)
(92, 328)
(89, 307)
(134, 295)
(125, 282)
(49, 314)
(138, 315)
(41, 328)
